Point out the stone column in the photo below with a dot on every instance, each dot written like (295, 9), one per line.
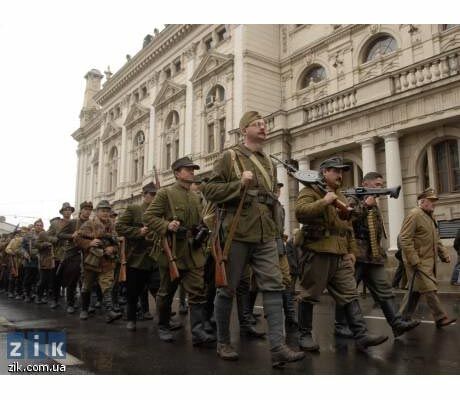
(394, 178)
(83, 174)
(282, 177)
(368, 156)
(123, 168)
(238, 87)
(304, 163)
(77, 190)
(188, 147)
(101, 170)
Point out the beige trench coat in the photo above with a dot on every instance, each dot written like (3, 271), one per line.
(421, 246)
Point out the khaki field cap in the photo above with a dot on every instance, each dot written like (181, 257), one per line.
(103, 204)
(248, 117)
(183, 162)
(334, 162)
(428, 193)
(149, 188)
(86, 204)
(65, 206)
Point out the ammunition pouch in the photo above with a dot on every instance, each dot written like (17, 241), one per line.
(200, 235)
(93, 257)
(280, 247)
(314, 233)
(182, 233)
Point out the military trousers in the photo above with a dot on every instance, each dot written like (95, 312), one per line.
(192, 280)
(137, 280)
(325, 270)
(104, 279)
(376, 280)
(46, 282)
(31, 276)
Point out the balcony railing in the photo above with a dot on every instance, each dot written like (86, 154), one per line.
(330, 105)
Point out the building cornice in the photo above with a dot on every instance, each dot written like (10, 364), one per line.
(169, 37)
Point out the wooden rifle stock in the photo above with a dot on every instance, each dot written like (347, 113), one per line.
(173, 271)
(122, 273)
(216, 249)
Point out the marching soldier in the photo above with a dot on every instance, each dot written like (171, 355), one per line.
(329, 255)
(140, 266)
(97, 239)
(176, 213)
(70, 267)
(369, 230)
(56, 225)
(245, 174)
(31, 260)
(14, 250)
(421, 246)
(47, 266)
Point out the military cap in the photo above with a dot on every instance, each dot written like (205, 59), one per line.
(149, 188)
(334, 162)
(65, 206)
(38, 221)
(103, 204)
(428, 193)
(248, 117)
(86, 204)
(183, 162)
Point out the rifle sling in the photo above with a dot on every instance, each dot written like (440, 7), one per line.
(268, 183)
(171, 206)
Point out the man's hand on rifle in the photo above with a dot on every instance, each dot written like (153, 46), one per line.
(370, 201)
(246, 177)
(173, 226)
(330, 197)
(110, 250)
(95, 243)
(144, 230)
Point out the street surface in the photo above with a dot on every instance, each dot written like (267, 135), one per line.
(97, 348)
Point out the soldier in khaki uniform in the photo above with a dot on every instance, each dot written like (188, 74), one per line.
(176, 212)
(14, 252)
(329, 250)
(420, 246)
(248, 169)
(139, 243)
(97, 239)
(369, 231)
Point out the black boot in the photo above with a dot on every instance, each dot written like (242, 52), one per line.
(110, 314)
(358, 327)
(85, 300)
(306, 341)
(242, 303)
(341, 328)
(163, 311)
(290, 318)
(273, 308)
(399, 325)
(199, 335)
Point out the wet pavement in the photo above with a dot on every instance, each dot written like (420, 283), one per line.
(98, 348)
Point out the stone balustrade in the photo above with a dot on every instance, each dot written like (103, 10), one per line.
(330, 105)
(427, 71)
(209, 160)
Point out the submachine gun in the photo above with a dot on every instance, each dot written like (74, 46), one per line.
(314, 178)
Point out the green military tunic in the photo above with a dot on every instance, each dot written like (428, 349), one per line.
(138, 246)
(257, 221)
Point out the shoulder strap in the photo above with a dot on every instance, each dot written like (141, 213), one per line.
(267, 179)
(235, 165)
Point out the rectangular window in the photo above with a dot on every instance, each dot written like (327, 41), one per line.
(136, 170)
(447, 165)
(168, 155)
(221, 34)
(136, 97)
(210, 138)
(144, 92)
(176, 148)
(208, 43)
(221, 133)
(141, 167)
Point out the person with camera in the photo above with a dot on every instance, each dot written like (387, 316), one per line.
(98, 241)
(175, 215)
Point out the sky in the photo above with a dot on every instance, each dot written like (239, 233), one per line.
(46, 48)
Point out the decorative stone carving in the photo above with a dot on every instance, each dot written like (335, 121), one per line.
(374, 29)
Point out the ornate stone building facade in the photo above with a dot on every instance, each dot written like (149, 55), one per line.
(385, 97)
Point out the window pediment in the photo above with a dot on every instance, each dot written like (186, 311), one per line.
(212, 63)
(136, 114)
(168, 92)
(111, 130)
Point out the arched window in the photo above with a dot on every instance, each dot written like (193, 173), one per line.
(384, 44)
(113, 169)
(171, 148)
(215, 96)
(441, 166)
(313, 74)
(138, 156)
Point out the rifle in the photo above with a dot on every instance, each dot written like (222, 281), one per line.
(361, 192)
(313, 178)
(157, 179)
(173, 271)
(122, 273)
(216, 250)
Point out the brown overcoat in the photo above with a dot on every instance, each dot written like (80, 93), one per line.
(421, 246)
